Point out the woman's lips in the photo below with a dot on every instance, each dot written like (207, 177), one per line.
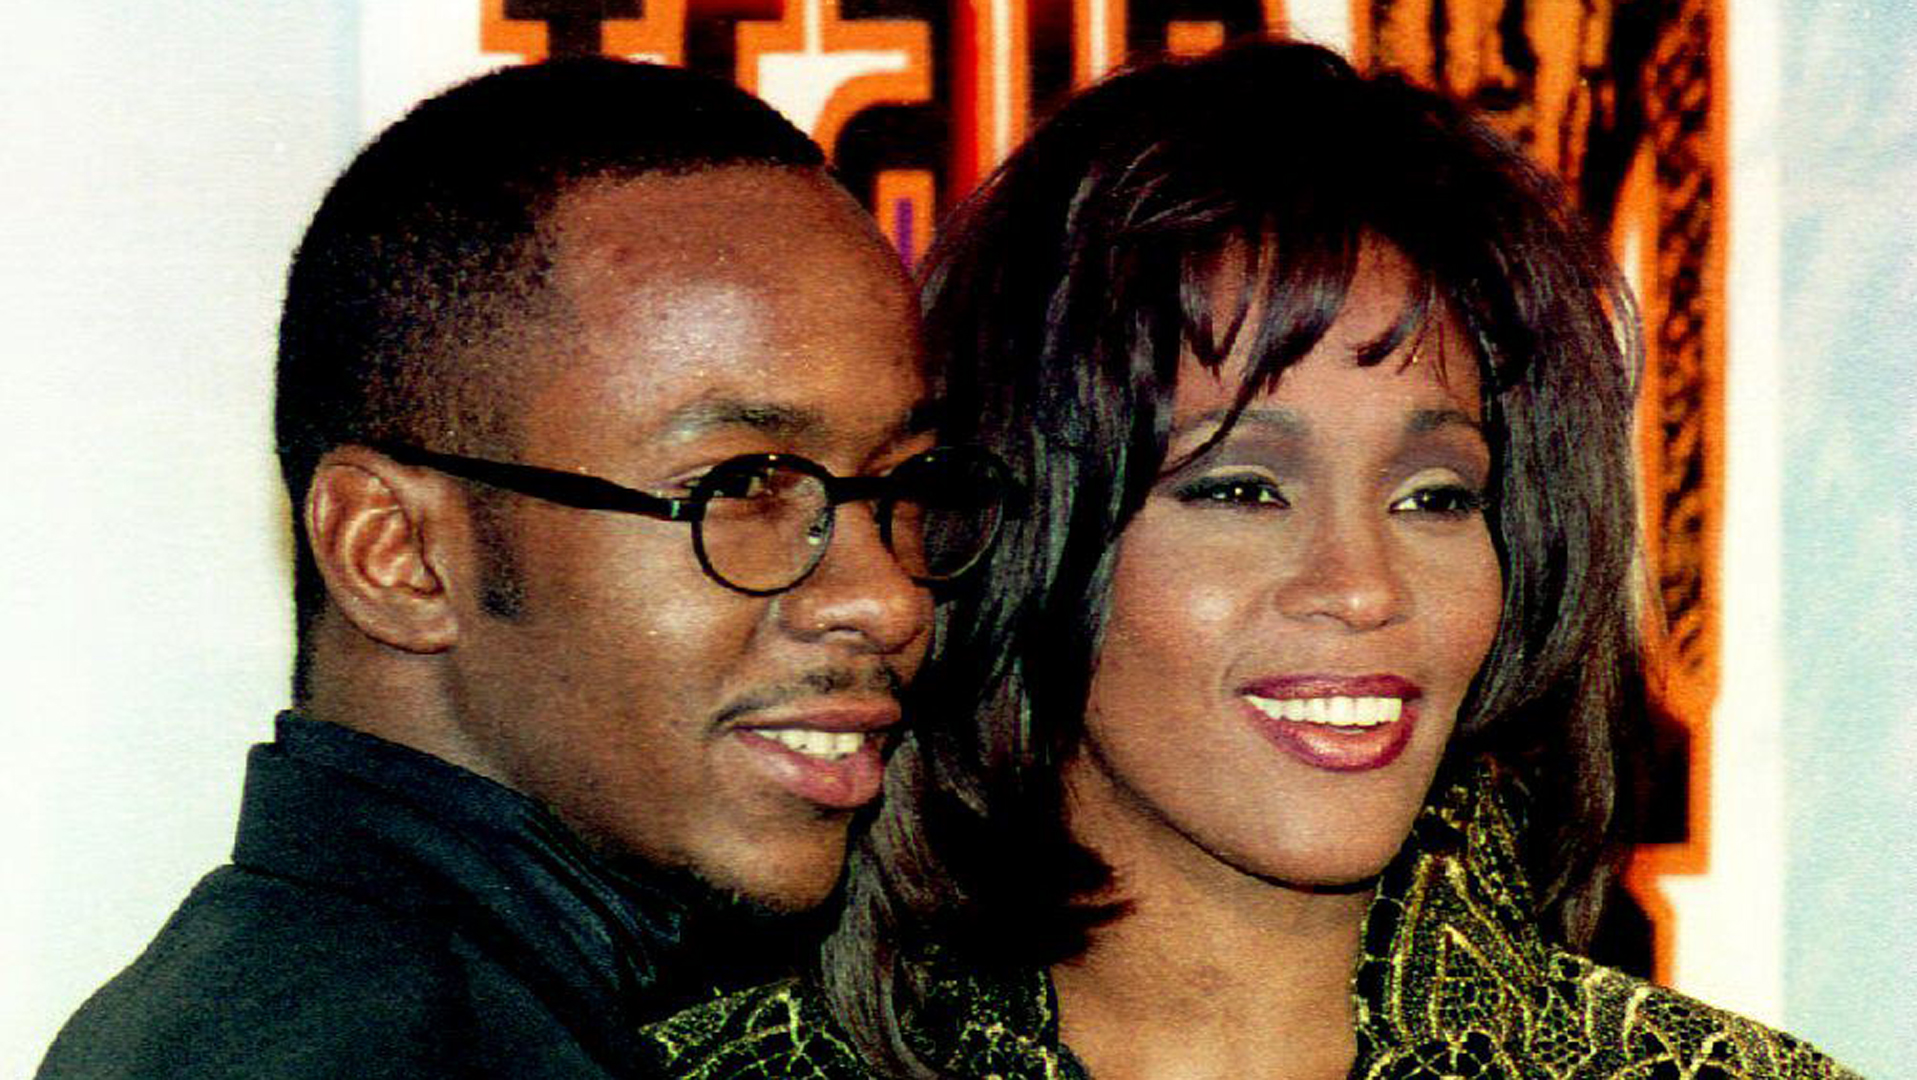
(1333, 722)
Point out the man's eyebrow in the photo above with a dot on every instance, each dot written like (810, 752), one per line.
(708, 414)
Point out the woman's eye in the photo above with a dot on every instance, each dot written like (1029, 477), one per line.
(1232, 490)
(1449, 500)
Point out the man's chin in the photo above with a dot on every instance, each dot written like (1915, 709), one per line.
(743, 937)
(759, 902)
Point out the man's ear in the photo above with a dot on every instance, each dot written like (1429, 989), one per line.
(384, 536)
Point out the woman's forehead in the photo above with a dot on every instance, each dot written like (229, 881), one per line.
(1384, 303)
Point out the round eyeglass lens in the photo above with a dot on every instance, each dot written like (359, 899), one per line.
(766, 524)
(945, 511)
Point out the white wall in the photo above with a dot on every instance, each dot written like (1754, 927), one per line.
(159, 161)
(1848, 491)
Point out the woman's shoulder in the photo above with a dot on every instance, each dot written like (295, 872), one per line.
(1569, 1016)
(773, 1031)
(1627, 1022)
(1458, 978)
(971, 1025)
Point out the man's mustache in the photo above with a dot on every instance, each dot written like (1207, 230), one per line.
(879, 679)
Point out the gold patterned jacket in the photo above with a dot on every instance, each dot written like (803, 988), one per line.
(1455, 979)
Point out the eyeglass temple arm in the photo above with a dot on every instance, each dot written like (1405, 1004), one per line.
(552, 485)
(844, 489)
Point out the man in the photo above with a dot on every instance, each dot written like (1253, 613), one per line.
(587, 642)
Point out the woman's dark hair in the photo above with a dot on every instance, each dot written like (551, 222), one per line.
(1059, 301)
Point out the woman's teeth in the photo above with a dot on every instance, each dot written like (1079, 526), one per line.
(827, 745)
(1342, 712)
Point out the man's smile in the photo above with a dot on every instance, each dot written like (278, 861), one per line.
(829, 753)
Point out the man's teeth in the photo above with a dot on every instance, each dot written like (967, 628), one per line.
(829, 745)
(1342, 712)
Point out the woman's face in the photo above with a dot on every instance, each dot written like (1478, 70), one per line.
(1296, 615)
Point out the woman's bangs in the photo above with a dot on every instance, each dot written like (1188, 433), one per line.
(1249, 297)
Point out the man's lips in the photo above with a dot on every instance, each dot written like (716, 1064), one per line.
(828, 755)
(1341, 723)
(826, 716)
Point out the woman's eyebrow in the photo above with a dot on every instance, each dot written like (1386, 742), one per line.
(1423, 420)
(1283, 422)
(1288, 424)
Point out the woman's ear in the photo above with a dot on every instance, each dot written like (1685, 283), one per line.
(383, 534)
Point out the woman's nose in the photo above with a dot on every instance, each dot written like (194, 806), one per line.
(1345, 573)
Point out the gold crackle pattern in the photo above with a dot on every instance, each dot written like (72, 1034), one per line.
(1455, 982)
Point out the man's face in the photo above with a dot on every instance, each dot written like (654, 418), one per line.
(728, 312)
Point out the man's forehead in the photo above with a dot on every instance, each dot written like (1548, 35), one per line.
(712, 211)
(687, 253)
(736, 301)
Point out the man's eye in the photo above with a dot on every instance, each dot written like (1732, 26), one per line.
(738, 484)
(1246, 490)
(757, 483)
(1449, 500)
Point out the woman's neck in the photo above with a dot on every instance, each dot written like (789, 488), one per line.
(1211, 972)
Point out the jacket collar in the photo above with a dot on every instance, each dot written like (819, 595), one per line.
(347, 812)
(1452, 930)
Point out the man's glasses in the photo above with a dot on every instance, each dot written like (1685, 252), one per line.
(761, 522)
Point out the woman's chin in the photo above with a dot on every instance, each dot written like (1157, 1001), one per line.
(1342, 873)
(1339, 886)
(1336, 870)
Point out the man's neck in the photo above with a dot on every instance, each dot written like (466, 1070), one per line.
(364, 686)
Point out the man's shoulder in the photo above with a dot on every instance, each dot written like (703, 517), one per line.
(256, 975)
(236, 914)
(773, 1031)
(1627, 1021)
(261, 976)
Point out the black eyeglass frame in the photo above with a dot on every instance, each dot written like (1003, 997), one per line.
(583, 491)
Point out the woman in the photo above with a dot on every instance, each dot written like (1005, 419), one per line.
(1283, 733)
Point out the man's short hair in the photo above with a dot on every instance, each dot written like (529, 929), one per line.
(427, 258)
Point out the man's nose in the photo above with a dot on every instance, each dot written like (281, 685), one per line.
(859, 593)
